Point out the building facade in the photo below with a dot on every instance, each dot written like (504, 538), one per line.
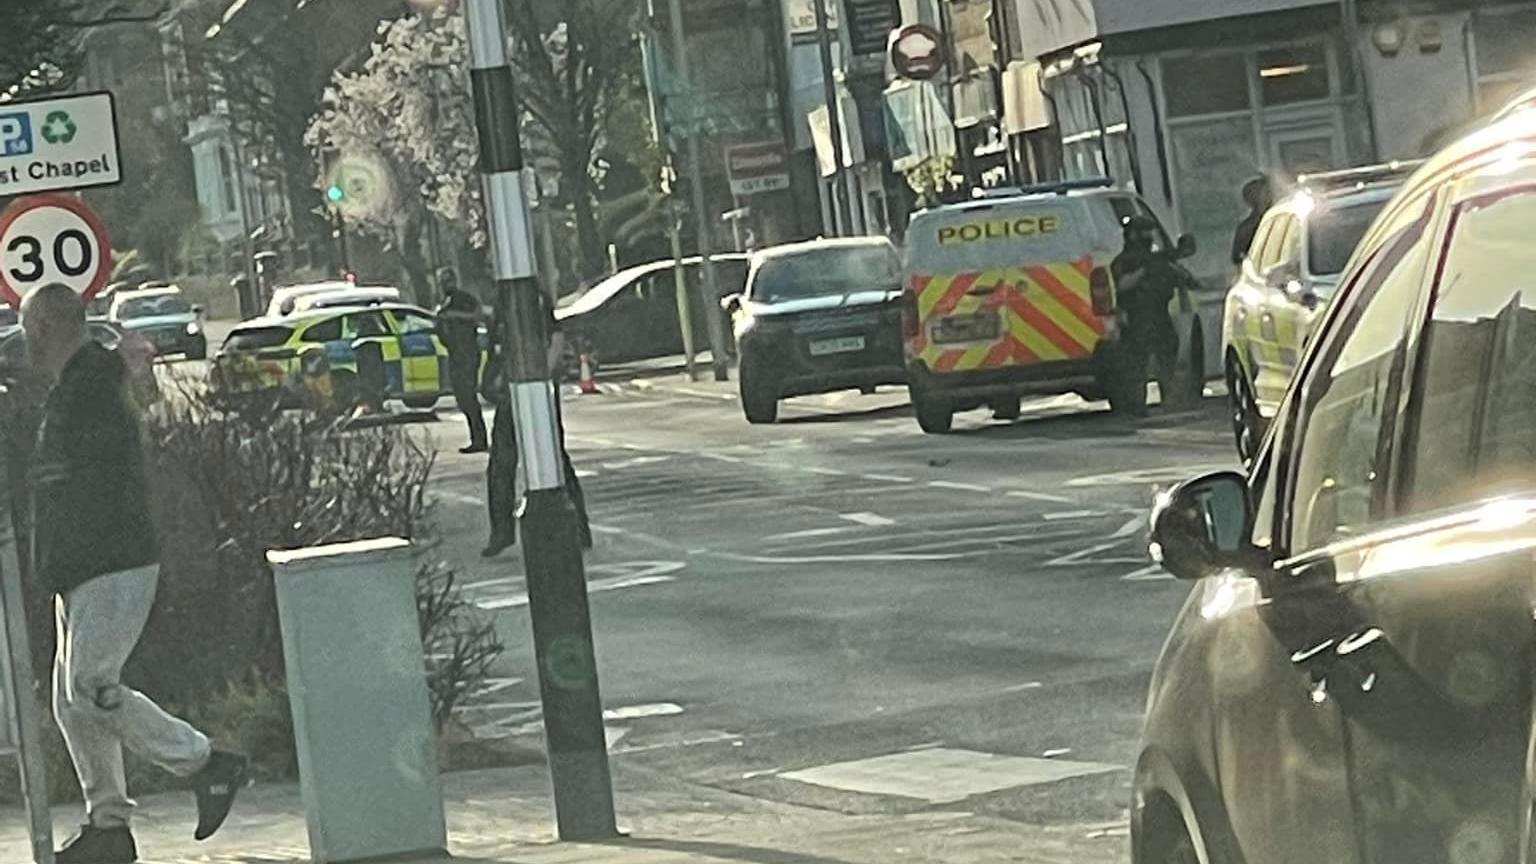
(1185, 101)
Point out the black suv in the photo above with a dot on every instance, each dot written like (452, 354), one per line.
(816, 317)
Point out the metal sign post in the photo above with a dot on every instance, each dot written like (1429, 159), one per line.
(21, 733)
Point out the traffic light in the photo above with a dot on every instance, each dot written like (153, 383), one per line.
(334, 193)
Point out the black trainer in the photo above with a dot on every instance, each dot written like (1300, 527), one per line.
(215, 788)
(99, 846)
(498, 544)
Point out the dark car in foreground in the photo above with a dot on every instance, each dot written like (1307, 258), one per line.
(816, 317)
(1351, 679)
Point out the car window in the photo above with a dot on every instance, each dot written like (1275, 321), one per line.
(1333, 233)
(254, 338)
(411, 321)
(1274, 242)
(1350, 395)
(325, 331)
(1260, 243)
(145, 307)
(1474, 408)
(1290, 242)
(827, 271)
(363, 325)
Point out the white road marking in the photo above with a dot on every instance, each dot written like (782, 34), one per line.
(632, 574)
(830, 472)
(837, 559)
(650, 709)
(1132, 526)
(1149, 476)
(491, 583)
(1071, 514)
(1040, 496)
(1056, 751)
(638, 460)
(584, 473)
(887, 478)
(808, 532)
(963, 487)
(1027, 685)
(1149, 573)
(944, 536)
(1081, 556)
(874, 520)
(942, 775)
(494, 685)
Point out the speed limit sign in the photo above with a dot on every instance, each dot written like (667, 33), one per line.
(52, 238)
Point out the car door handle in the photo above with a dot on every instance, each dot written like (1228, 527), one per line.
(983, 290)
(1320, 660)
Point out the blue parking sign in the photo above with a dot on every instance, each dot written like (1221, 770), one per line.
(15, 134)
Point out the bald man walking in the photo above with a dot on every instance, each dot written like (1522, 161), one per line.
(94, 548)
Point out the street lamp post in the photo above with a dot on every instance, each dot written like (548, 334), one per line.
(718, 359)
(557, 589)
(840, 214)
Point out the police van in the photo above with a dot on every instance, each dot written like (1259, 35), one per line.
(1011, 295)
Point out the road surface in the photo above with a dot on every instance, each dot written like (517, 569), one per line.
(842, 612)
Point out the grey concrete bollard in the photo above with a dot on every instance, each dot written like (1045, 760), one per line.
(362, 719)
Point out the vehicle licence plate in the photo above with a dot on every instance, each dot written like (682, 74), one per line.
(821, 347)
(966, 328)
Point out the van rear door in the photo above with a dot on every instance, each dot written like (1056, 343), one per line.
(992, 287)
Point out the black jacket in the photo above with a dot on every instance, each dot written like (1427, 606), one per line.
(458, 320)
(88, 491)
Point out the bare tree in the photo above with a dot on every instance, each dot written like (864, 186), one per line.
(573, 59)
(41, 46)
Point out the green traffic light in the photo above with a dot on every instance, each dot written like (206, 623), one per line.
(334, 193)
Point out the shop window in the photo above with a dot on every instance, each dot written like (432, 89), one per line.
(1209, 84)
(1503, 43)
(1212, 160)
(1296, 73)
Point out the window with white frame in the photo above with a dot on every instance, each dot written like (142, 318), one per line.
(1503, 53)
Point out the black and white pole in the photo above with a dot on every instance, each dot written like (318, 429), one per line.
(557, 587)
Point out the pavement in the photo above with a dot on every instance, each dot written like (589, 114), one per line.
(830, 639)
(503, 816)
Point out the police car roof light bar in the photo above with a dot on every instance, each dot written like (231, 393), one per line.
(1324, 180)
(1060, 187)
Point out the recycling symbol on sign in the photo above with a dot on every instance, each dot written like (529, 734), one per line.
(58, 128)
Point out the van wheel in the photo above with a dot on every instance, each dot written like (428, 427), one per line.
(1006, 408)
(934, 416)
(759, 399)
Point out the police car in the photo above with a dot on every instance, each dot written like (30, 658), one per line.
(1289, 274)
(307, 356)
(1011, 295)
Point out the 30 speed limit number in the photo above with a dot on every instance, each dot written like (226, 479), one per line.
(52, 238)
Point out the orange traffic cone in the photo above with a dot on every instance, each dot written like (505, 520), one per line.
(587, 385)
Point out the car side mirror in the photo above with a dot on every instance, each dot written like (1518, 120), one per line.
(198, 310)
(1185, 248)
(1285, 276)
(1302, 293)
(1202, 525)
(731, 303)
